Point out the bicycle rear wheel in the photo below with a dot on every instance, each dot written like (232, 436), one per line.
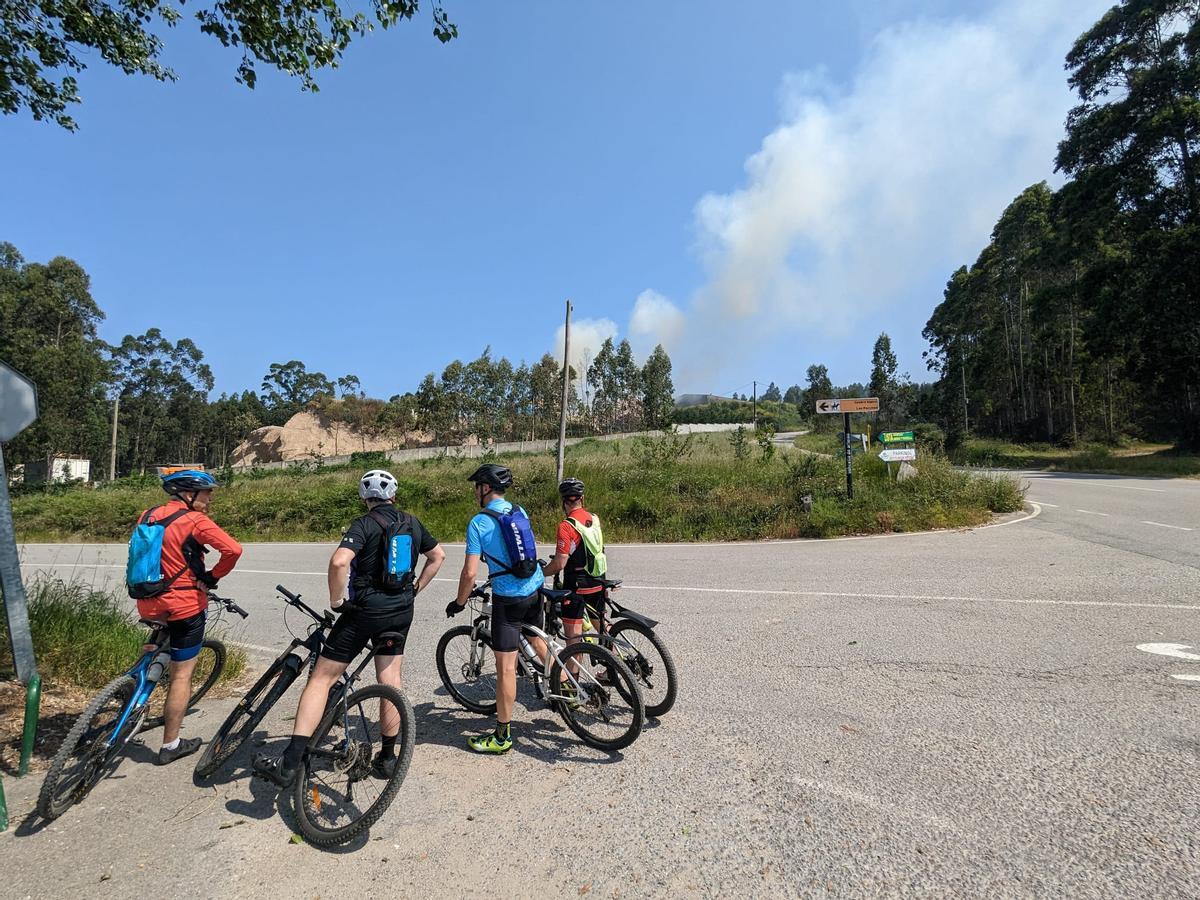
(85, 755)
(649, 661)
(336, 796)
(468, 668)
(250, 710)
(607, 717)
(210, 662)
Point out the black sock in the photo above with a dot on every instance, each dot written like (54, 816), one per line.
(294, 753)
(502, 731)
(389, 746)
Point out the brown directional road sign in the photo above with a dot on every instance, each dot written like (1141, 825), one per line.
(849, 405)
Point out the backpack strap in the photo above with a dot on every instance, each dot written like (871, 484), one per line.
(494, 564)
(163, 524)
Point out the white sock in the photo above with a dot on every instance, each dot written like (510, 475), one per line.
(172, 745)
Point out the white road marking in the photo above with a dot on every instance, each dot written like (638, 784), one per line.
(1187, 677)
(764, 592)
(888, 807)
(1175, 650)
(1122, 487)
(1088, 512)
(1164, 525)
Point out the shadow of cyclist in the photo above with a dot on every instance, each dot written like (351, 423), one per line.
(540, 738)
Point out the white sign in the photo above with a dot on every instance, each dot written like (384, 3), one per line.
(900, 454)
(18, 403)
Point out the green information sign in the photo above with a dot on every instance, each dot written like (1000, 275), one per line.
(896, 437)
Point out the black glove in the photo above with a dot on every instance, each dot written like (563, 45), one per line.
(206, 579)
(453, 609)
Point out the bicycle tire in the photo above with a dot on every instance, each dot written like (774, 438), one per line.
(244, 718)
(653, 710)
(627, 687)
(406, 738)
(218, 666)
(50, 805)
(483, 709)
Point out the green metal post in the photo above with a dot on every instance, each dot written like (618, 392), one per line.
(3, 808)
(33, 702)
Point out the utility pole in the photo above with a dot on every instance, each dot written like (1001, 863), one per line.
(566, 381)
(112, 455)
(754, 406)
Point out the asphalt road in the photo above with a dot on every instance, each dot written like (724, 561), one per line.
(961, 713)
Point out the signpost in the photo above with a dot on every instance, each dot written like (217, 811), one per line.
(845, 406)
(896, 437)
(898, 454)
(849, 405)
(18, 410)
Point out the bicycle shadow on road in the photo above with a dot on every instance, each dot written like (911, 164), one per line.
(539, 737)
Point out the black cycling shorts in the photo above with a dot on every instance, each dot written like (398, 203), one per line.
(186, 636)
(572, 606)
(356, 627)
(508, 615)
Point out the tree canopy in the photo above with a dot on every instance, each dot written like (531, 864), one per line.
(45, 44)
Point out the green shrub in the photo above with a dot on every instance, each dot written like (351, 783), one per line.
(84, 637)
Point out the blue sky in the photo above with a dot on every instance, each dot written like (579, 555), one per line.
(759, 185)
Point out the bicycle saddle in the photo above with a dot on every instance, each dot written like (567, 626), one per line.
(555, 595)
(153, 623)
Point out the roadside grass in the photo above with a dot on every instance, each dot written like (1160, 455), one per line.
(647, 489)
(83, 638)
(816, 442)
(1161, 460)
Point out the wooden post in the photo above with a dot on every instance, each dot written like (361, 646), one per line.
(566, 382)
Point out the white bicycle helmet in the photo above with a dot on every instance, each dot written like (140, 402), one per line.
(377, 485)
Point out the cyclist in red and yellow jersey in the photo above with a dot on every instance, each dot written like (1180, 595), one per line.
(579, 556)
(184, 604)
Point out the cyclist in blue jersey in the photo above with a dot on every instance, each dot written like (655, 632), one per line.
(515, 601)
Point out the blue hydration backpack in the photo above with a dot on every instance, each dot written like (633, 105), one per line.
(143, 572)
(518, 540)
(399, 560)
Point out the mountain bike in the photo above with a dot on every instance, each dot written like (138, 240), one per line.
(632, 639)
(605, 716)
(334, 794)
(92, 748)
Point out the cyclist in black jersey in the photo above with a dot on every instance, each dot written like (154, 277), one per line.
(370, 604)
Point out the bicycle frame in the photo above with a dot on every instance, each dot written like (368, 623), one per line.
(525, 662)
(147, 672)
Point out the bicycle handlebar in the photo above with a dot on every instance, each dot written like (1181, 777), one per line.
(294, 600)
(227, 603)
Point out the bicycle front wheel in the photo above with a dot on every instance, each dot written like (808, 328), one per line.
(649, 661)
(605, 716)
(210, 662)
(244, 718)
(338, 793)
(467, 668)
(85, 754)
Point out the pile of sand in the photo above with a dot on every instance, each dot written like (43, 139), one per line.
(307, 434)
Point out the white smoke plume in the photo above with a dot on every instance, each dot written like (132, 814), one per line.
(654, 320)
(864, 193)
(586, 337)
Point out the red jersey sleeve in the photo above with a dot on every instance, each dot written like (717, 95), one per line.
(212, 535)
(567, 538)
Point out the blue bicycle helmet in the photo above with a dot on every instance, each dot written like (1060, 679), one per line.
(188, 480)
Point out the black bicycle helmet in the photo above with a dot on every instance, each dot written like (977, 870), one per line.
(570, 489)
(188, 480)
(497, 477)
